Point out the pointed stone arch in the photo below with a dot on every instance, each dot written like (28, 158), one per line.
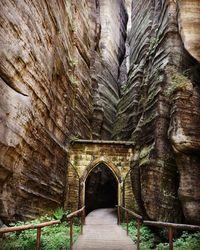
(115, 171)
(106, 162)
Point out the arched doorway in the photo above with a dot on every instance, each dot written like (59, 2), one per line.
(101, 188)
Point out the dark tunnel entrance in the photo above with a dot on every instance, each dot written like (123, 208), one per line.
(101, 189)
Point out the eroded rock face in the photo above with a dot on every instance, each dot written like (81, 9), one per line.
(189, 20)
(44, 72)
(50, 53)
(184, 133)
(108, 56)
(153, 111)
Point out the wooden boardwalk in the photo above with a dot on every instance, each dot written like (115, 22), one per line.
(101, 232)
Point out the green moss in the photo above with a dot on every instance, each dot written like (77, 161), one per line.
(152, 45)
(74, 82)
(166, 162)
(179, 82)
(73, 63)
(119, 124)
(145, 154)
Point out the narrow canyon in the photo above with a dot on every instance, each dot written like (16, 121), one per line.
(108, 70)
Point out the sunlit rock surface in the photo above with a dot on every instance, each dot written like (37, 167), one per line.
(189, 21)
(108, 56)
(159, 109)
(51, 51)
(44, 72)
(184, 132)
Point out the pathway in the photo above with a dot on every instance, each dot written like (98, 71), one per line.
(101, 232)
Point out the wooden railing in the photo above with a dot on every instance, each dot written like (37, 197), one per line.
(170, 226)
(70, 218)
(133, 214)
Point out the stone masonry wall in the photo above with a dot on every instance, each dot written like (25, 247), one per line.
(84, 156)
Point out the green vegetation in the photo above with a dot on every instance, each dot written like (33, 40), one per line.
(73, 63)
(152, 45)
(146, 236)
(74, 81)
(119, 124)
(74, 138)
(59, 213)
(187, 240)
(179, 82)
(55, 237)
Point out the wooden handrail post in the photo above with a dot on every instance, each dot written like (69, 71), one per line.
(81, 225)
(84, 216)
(82, 220)
(38, 238)
(138, 234)
(118, 212)
(70, 219)
(71, 232)
(170, 235)
(127, 222)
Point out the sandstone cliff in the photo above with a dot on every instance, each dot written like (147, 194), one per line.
(159, 108)
(108, 56)
(64, 75)
(59, 66)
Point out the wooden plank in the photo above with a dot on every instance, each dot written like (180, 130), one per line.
(75, 213)
(173, 225)
(137, 216)
(30, 226)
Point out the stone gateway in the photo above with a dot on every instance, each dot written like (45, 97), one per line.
(104, 165)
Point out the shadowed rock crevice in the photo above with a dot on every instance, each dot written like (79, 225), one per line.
(107, 58)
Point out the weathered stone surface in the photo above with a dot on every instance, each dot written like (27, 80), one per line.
(45, 66)
(52, 52)
(189, 21)
(108, 56)
(184, 133)
(166, 132)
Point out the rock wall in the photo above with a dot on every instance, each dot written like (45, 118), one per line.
(189, 19)
(159, 109)
(64, 75)
(108, 56)
(51, 51)
(184, 130)
(44, 70)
